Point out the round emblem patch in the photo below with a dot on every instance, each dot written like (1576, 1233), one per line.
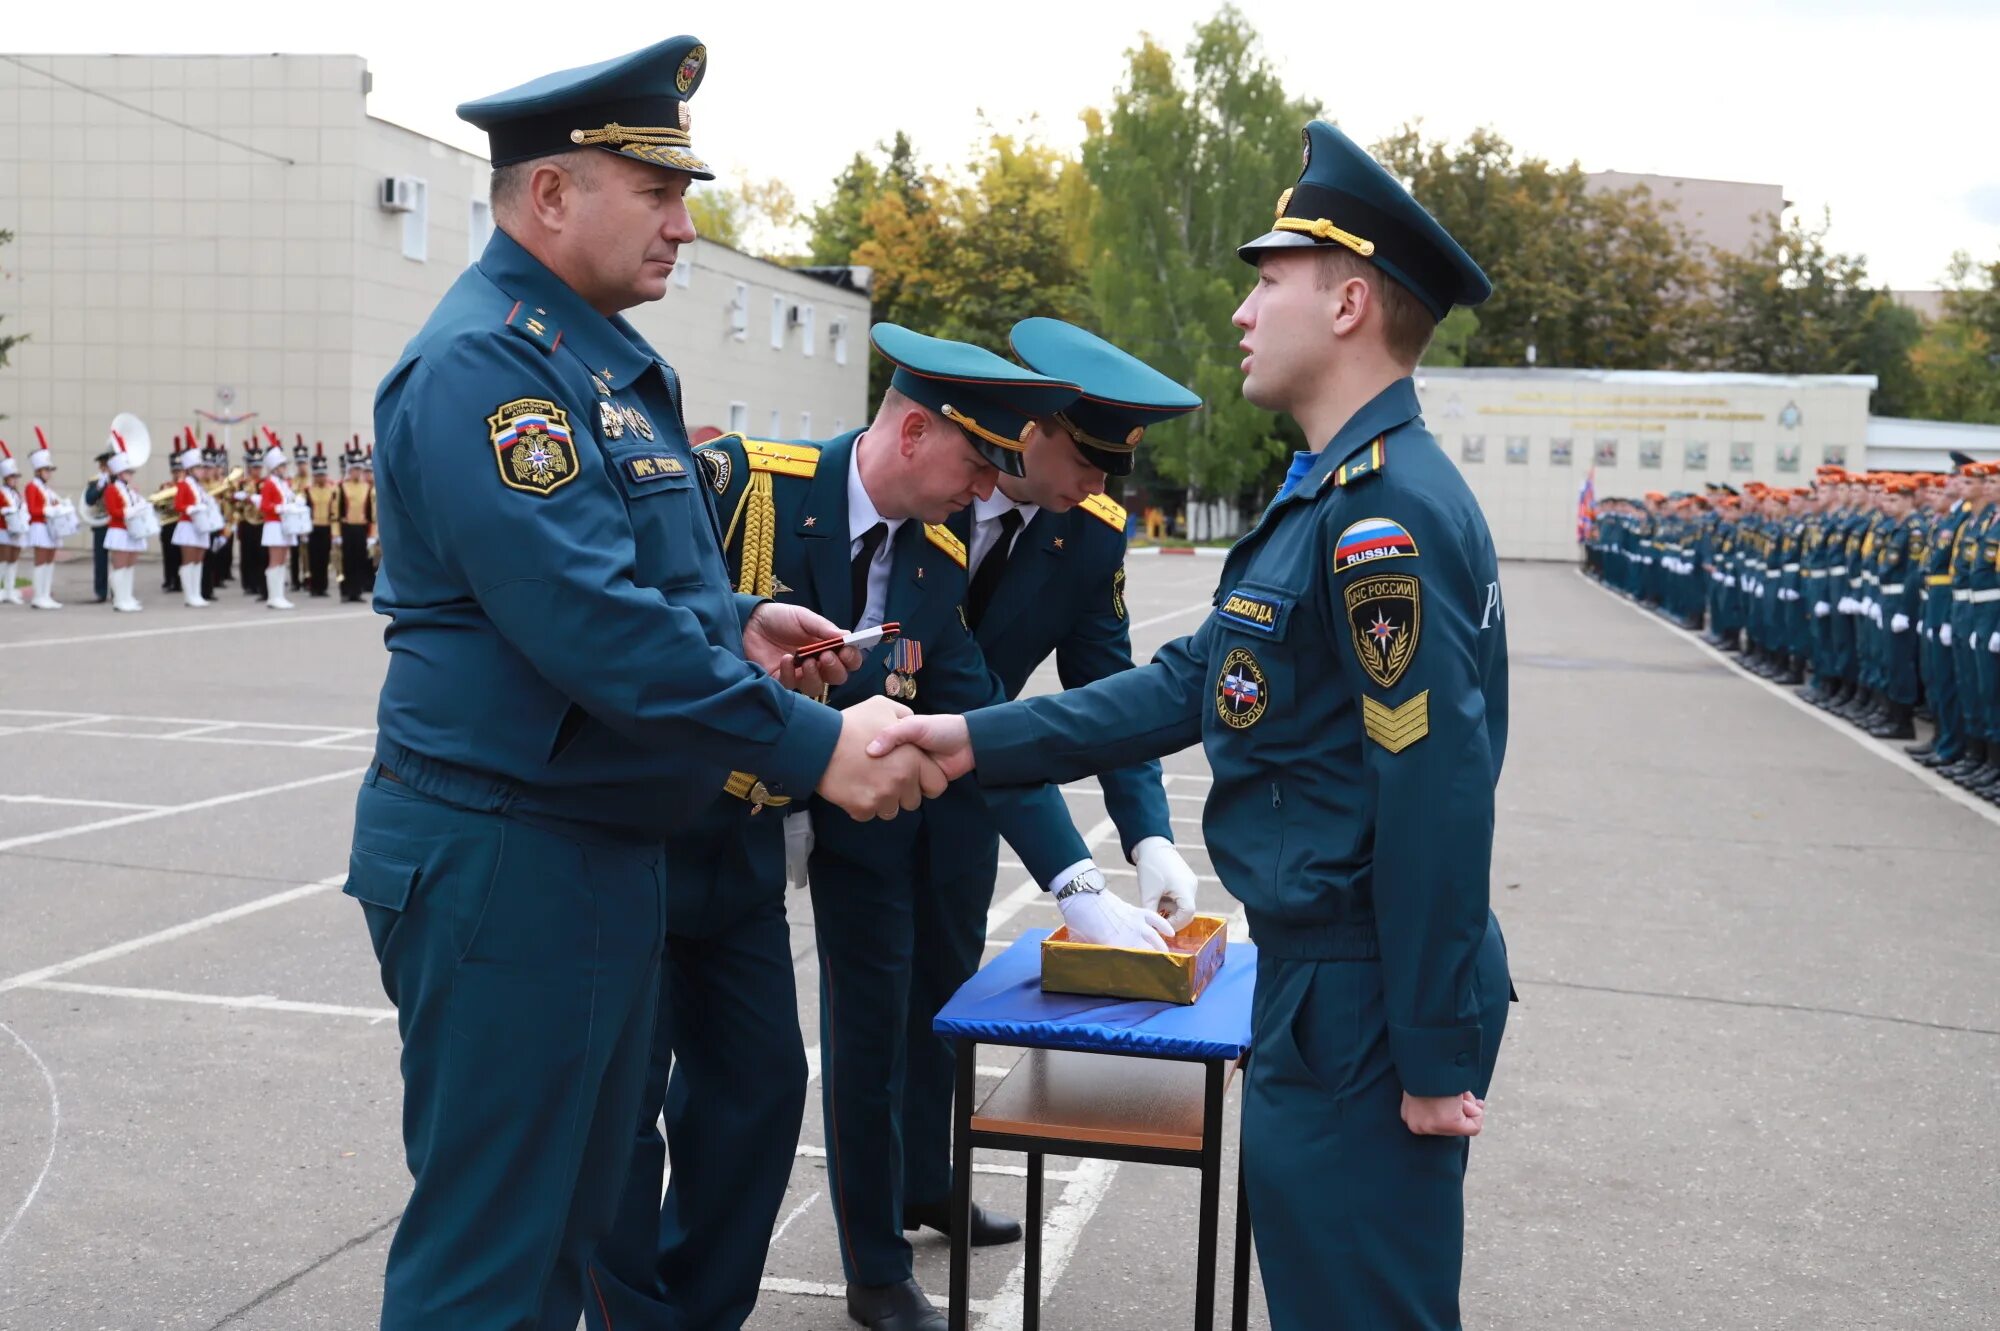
(1241, 691)
(689, 73)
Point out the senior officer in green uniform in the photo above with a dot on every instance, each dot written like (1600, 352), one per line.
(1046, 557)
(1350, 692)
(567, 688)
(854, 528)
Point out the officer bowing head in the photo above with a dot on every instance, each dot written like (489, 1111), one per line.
(1072, 451)
(591, 168)
(1353, 278)
(957, 417)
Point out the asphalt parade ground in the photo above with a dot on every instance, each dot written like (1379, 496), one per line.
(1751, 1082)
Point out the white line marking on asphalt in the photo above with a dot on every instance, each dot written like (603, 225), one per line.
(820, 1290)
(1060, 1235)
(1881, 749)
(786, 1224)
(81, 804)
(104, 824)
(1192, 778)
(55, 1130)
(807, 1151)
(319, 746)
(168, 935)
(252, 1002)
(333, 618)
(1171, 614)
(83, 718)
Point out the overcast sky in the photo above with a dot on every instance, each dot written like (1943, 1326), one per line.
(1881, 113)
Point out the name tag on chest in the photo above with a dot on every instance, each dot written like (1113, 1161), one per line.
(1256, 610)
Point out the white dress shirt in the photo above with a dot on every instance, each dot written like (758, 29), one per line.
(861, 515)
(986, 515)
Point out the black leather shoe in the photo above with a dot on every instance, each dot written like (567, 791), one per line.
(989, 1228)
(894, 1308)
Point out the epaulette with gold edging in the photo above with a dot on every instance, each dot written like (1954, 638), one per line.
(942, 538)
(1106, 510)
(781, 459)
(1364, 461)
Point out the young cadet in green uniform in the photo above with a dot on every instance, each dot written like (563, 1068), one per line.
(1046, 560)
(854, 528)
(1948, 743)
(567, 695)
(1350, 693)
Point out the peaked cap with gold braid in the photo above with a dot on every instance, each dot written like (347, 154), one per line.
(634, 105)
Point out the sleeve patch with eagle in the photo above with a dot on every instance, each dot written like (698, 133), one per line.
(532, 445)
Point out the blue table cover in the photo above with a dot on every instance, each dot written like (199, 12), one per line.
(1004, 1004)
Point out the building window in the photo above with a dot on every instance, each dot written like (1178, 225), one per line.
(805, 425)
(739, 312)
(1649, 454)
(777, 323)
(837, 330)
(777, 426)
(806, 329)
(478, 229)
(417, 223)
(684, 267)
(739, 417)
(1742, 456)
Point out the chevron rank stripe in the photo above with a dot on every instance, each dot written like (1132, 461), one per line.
(1397, 728)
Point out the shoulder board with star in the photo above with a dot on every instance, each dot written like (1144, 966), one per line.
(534, 326)
(941, 537)
(1362, 462)
(781, 459)
(1106, 510)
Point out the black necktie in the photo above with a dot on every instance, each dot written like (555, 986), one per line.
(987, 579)
(871, 541)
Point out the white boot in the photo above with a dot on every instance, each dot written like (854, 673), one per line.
(45, 580)
(8, 595)
(121, 591)
(191, 585)
(274, 584)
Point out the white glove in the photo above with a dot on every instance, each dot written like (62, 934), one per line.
(1847, 605)
(1166, 884)
(1925, 630)
(1993, 641)
(1096, 916)
(1875, 613)
(1944, 633)
(1821, 610)
(798, 847)
(1899, 623)
(1729, 581)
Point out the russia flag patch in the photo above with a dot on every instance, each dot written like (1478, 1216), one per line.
(1371, 539)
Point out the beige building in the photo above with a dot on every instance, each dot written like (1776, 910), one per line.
(1527, 439)
(235, 234)
(1724, 214)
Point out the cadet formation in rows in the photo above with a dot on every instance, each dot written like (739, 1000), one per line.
(1876, 594)
(603, 750)
(281, 516)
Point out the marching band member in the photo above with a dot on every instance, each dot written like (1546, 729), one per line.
(275, 502)
(13, 525)
(126, 506)
(321, 495)
(50, 519)
(250, 519)
(200, 519)
(301, 460)
(355, 510)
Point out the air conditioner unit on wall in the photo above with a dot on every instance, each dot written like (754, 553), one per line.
(792, 316)
(399, 194)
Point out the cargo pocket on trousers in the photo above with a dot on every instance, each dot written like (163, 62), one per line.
(382, 884)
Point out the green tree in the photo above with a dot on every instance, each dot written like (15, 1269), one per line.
(1011, 253)
(1187, 163)
(8, 341)
(1956, 364)
(758, 216)
(1585, 277)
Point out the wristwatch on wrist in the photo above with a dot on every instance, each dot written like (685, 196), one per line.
(1081, 883)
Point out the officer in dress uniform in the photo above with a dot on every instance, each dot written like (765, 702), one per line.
(355, 511)
(320, 494)
(1948, 742)
(542, 570)
(1046, 564)
(170, 564)
(855, 528)
(1350, 692)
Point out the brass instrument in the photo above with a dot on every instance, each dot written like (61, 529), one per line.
(162, 499)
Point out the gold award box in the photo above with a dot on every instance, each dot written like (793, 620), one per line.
(1178, 975)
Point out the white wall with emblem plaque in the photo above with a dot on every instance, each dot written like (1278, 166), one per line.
(1638, 429)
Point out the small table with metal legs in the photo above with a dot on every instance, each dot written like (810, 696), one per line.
(1104, 1078)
